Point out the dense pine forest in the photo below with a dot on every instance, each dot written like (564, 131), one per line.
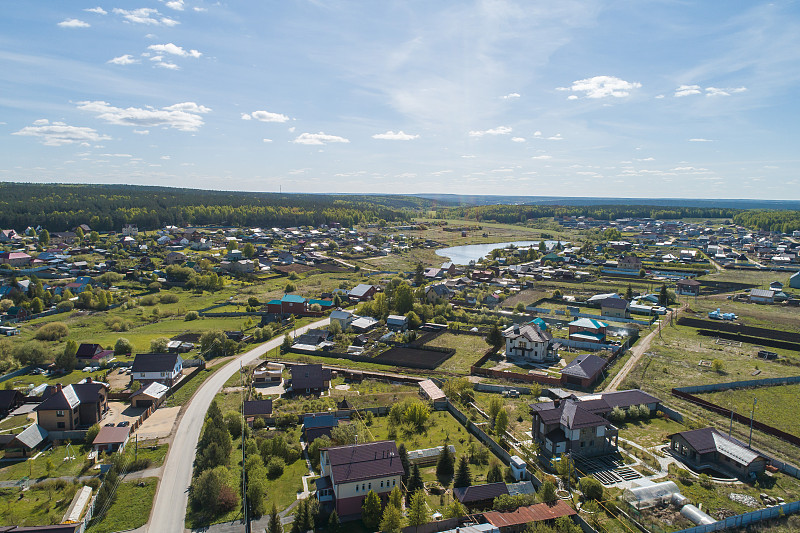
(109, 207)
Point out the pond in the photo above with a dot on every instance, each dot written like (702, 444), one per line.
(462, 255)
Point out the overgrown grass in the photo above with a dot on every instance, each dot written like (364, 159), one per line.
(775, 405)
(131, 508)
(469, 348)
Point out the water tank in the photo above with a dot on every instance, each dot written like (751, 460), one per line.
(696, 515)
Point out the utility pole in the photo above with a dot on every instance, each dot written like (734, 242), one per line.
(246, 514)
(752, 414)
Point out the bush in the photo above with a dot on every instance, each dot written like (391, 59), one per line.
(52, 331)
(191, 315)
(65, 306)
(123, 346)
(148, 300)
(159, 345)
(275, 467)
(91, 433)
(169, 298)
(30, 353)
(591, 488)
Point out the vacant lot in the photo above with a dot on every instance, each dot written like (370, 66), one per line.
(775, 406)
(469, 348)
(413, 357)
(651, 432)
(130, 509)
(760, 315)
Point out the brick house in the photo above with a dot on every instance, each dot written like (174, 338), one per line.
(309, 379)
(77, 406)
(529, 342)
(587, 330)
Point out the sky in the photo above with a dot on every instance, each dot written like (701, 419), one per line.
(639, 98)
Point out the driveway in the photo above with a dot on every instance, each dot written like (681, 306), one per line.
(159, 424)
(118, 411)
(172, 498)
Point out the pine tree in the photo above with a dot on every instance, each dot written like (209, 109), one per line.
(418, 510)
(392, 519)
(663, 297)
(414, 480)
(495, 473)
(401, 450)
(501, 422)
(333, 522)
(463, 475)
(299, 513)
(396, 497)
(495, 338)
(444, 467)
(371, 511)
(275, 521)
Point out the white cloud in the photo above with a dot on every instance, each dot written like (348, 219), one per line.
(518, 139)
(537, 133)
(97, 10)
(126, 59)
(686, 90)
(319, 139)
(59, 133)
(700, 140)
(659, 96)
(572, 97)
(173, 49)
(602, 87)
(177, 5)
(542, 157)
(168, 65)
(470, 156)
(145, 15)
(500, 130)
(715, 91)
(266, 140)
(510, 96)
(265, 116)
(200, 9)
(556, 137)
(185, 116)
(392, 136)
(141, 132)
(166, 157)
(73, 23)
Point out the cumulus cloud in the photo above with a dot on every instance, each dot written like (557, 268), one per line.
(518, 139)
(97, 10)
(500, 130)
(687, 90)
(126, 59)
(700, 140)
(542, 157)
(141, 132)
(511, 96)
(173, 49)
(556, 137)
(73, 23)
(602, 87)
(145, 15)
(167, 65)
(267, 140)
(185, 116)
(319, 139)
(59, 133)
(392, 136)
(716, 91)
(265, 116)
(177, 5)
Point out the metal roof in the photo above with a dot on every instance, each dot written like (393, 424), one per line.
(530, 513)
(32, 436)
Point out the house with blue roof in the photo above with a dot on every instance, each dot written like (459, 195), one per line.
(316, 425)
(290, 304)
(587, 330)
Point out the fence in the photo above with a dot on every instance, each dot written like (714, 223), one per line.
(731, 327)
(746, 519)
(19, 372)
(747, 384)
(487, 387)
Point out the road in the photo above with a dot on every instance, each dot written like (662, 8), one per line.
(638, 351)
(172, 497)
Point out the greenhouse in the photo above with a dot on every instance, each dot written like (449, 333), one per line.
(649, 495)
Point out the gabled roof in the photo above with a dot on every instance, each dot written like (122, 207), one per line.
(60, 400)
(155, 362)
(360, 290)
(530, 332)
(588, 323)
(111, 435)
(154, 390)
(309, 376)
(87, 351)
(341, 314)
(573, 416)
(476, 493)
(585, 366)
(762, 293)
(707, 440)
(320, 420)
(257, 407)
(293, 298)
(614, 303)
(531, 513)
(357, 462)
(9, 397)
(32, 436)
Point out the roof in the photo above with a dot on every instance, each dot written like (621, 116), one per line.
(628, 398)
(762, 293)
(154, 390)
(309, 376)
(32, 436)
(588, 323)
(360, 290)
(364, 322)
(431, 390)
(585, 366)
(357, 462)
(340, 314)
(155, 362)
(427, 453)
(396, 319)
(87, 351)
(522, 487)
(61, 400)
(9, 397)
(588, 335)
(530, 513)
(293, 298)
(257, 407)
(614, 303)
(477, 493)
(707, 440)
(111, 435)
(89, 391)
(688, 282)
(319, 420)
(531, 332)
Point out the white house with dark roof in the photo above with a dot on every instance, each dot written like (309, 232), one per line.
(529, 342)
(165, 368)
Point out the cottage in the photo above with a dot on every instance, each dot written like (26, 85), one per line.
(317, 425)
(529, 342)
(438, 292)
(344, 318)
(252, 409)
(164, 368)
(708, 448)
(309, 379)
(397, 323)
(762, 296)
(630, 262)
(363, 323)
(150, 395)
(363, 292)
(76, 406)
(26, 442)
(349, 472)
(587, 330)
(268, 373)
(615, 307)
(688, 287)
(15, 259)
(794, 281)
(478, 497)
(583, 371)
(10, 400)
(111, 439)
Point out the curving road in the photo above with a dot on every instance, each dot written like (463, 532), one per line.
(172, 497)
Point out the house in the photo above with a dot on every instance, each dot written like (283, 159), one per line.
(438, 292)
(397, 323)
(130, 230)
(482, 276)
(363, 323)
(579, 424)
(583, 371)
(252, 409)
(794, 281)
(93, 353)
(9, 400)
(20, 313)
(688, 287)
(762, 296)
(317, 425)
(363, 292)
(164, 368)
(433, 273)
(430, 391)
(9, 235)
(174, 258)
(268, 373)
(76, 406)
(529, 342)
(630, 262)
(289, 304)
(708, 448)
(26, 442)
(615, 307)
(518, 520)
(309, 379)
(519, 468)
(478, 497)
(344, 318)
(111, 439)
(587, 330)
(15, 259)
(349, 472)
(150, 395)
(449, 268)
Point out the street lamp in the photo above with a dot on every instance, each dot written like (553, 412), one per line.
(752, 414)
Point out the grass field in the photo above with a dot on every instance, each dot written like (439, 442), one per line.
(774, 405)
(37, 468)
(130, 509)
(651, 432)
(42, 504)
(469, 348)
(765, 316)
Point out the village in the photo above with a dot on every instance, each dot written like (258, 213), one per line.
(582, 374)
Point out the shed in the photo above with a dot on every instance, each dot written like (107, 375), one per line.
(426, 456)
(111, 439)
(252, 409)
(430, 391)
(25, 442)
(317, 425)
(149, 395)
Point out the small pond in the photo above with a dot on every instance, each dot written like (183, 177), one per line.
(462, 255)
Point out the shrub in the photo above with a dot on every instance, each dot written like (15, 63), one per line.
(275, 467)
(148, 300)
(52, 331)
(30, 353)
(591, 488)
(191, 315)
(169, 298)
(65, 306)
(159, 345)
(123, 346)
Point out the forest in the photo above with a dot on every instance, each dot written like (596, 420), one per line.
(60, 207)
(782, 221)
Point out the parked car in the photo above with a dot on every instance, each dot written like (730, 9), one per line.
(124, 424)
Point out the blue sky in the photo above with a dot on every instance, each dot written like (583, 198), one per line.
(569, 98)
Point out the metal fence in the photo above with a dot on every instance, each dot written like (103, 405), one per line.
(746, 519)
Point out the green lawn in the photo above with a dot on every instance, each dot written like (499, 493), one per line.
(469, 348)
(40, 505)
(775, 405)
(151, 450)
(15, 421)
(283, 490)
(131, 507)
(651, 432)
(186, 391)
(37, 468)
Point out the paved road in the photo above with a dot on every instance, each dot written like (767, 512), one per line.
(172, 497)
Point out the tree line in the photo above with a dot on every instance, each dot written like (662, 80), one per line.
(763, 219)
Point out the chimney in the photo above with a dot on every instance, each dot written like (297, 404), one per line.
(557, 403)
(58, 387)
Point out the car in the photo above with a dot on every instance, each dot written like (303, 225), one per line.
(110, 425)
(124, 424)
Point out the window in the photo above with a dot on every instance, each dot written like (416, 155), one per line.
(356, 488)
(75, 410)
(582, 444)
(369, 486)
(393, 482)
(381, 484)
(60, 425)
(362, 486)
(163, 374)
(59, 413)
